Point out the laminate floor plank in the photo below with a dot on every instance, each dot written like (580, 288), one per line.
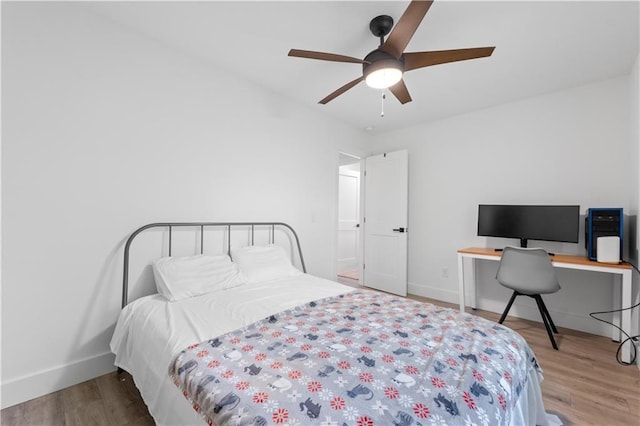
(122, 401)
(46, 410)
(83, 405)
(583, 385)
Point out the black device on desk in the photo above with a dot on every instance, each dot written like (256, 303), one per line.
(602, 222)
(529, 222)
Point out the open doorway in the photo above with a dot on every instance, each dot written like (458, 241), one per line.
(348, 252)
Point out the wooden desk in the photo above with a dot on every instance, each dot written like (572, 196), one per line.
(621, 274)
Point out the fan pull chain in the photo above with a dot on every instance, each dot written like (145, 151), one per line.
(384, 96)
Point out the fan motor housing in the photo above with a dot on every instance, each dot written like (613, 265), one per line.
(378, 59)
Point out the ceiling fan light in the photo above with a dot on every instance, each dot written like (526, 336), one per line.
(382, 72)
(383, 78)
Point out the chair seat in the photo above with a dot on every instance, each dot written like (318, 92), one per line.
(528, 292)
(529, 272)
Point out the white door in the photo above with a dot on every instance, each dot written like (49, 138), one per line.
(385, 222)
(348, 221)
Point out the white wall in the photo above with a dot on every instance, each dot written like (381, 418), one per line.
(567, 147)
(634, 92)
(634, 157)
(104, 131)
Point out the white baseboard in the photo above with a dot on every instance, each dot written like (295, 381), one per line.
(561, 319)
(40, 383)
(433, 293)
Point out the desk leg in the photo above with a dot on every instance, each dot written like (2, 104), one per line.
(472, 282)
(622, 288)
(466, 282)
(626, 315)
(461, 281)
(617, 299)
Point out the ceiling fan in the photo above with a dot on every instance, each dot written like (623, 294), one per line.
(384, 66)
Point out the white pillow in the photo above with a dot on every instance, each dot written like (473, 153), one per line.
(263, 263)
(181, 277)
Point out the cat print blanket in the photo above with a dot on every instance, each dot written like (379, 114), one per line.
(364, 358)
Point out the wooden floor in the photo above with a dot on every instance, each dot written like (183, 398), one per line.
(105, 400)
(583, 385)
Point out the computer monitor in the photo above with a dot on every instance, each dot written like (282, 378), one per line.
(529, 222)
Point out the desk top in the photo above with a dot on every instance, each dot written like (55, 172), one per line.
(560, 258)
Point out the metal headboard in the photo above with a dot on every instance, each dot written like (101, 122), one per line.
(202, 226)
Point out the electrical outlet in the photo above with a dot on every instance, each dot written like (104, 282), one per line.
(445, 272)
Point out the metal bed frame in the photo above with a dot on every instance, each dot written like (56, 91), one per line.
(202, 226)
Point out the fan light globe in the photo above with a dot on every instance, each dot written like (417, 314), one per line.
(382, 70)
(383, 78)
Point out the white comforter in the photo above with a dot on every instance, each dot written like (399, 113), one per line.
(151, 331)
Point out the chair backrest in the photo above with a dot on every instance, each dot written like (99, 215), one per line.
(528, 271)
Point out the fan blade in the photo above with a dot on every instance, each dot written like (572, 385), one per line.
(400, 91)
(405, 28)
(416, 60)
(341, 90)
(324, 56)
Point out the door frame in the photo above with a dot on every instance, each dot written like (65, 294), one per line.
(357, 159)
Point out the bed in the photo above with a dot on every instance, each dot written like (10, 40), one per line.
(271, 344)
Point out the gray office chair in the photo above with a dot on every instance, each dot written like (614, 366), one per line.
(529, 272)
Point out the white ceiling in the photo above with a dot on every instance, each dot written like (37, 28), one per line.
(540, 47)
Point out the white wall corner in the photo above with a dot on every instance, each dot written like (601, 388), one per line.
(43, 382)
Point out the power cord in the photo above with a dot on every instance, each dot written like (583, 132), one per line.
(633, 339)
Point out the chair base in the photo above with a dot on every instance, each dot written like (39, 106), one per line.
(546, 318)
